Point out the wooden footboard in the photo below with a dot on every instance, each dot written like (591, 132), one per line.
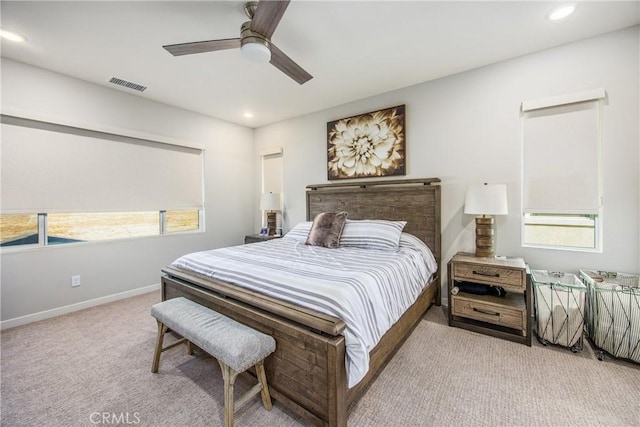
(307, 371)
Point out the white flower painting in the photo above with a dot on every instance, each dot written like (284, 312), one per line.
(368, 145)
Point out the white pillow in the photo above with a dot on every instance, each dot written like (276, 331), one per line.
(300, 231)
(372, 234)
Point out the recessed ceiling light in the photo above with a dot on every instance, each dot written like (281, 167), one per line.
(248, 115)
(561, 12)
(14, 37)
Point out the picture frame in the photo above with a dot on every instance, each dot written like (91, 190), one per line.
(367, 145)
(264, 231)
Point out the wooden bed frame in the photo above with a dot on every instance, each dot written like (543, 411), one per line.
(307, 372)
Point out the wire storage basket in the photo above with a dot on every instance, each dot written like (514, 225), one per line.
(560, 305)
(613, 315)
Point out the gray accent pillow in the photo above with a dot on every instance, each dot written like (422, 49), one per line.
(326, 229)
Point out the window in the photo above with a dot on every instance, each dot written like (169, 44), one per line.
(182, 220)
(272, 162)
(87, 227)
(19, 229)
(561, 172)
(78, 185)
(570, 231)
(60, 228)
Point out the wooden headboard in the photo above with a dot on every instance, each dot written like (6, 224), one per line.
(416, 201)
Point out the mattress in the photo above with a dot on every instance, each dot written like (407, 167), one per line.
(368, 289)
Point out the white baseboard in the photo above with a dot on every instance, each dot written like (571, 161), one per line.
(47, 314)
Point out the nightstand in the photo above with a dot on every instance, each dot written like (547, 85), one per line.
(507, 317)
(254, 238)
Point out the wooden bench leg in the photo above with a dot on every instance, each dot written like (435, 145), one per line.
(162, 330)
(229, 376)
(156, 356)
(262, 378)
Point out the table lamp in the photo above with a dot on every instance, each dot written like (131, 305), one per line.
(486, 200)
(270, 202)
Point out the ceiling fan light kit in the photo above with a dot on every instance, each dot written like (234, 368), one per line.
(254, 41)
(253, 46)
(256, 52)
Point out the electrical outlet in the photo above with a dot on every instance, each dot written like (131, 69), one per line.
(75, 281)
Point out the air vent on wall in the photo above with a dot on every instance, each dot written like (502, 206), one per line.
(127, 84)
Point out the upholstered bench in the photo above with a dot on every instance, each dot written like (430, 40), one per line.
(236, 347)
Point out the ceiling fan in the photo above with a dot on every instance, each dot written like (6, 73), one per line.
(254, 40)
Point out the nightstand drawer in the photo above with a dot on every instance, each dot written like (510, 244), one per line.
(490, 275)
(511, 316)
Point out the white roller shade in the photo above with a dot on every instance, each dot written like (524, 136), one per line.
(272, 173)
(561, 159)
(565, 99)
(53, 168)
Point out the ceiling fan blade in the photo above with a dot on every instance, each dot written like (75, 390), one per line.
(201, 47)
(267, 16)
(285, 64)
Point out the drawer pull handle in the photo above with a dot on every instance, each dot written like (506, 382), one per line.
(490, 313)
(480, 273)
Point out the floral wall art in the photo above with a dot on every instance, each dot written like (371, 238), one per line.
(368, 145)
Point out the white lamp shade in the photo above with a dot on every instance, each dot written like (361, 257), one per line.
(256, 52)
(270, 202)
(486, 200)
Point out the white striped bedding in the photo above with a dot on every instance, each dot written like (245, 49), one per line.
(368, 289)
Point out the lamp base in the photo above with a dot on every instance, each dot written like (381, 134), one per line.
(485, 232)
(271, 223)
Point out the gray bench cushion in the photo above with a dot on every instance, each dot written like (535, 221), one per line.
(233, 343)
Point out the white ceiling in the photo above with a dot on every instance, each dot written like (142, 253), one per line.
(354, 49)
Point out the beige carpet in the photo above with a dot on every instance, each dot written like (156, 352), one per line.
(93, 368)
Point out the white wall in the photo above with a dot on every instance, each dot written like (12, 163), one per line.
(36, 282)
(466, 130)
